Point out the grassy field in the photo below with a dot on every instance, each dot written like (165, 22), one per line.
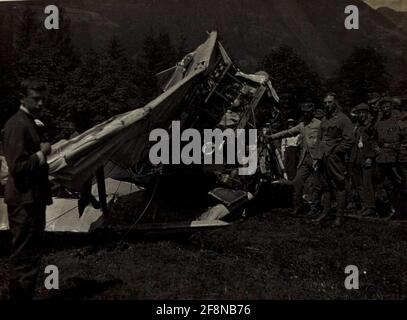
(267, 256)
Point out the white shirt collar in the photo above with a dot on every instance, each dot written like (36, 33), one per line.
(38, 122)
(25, 110)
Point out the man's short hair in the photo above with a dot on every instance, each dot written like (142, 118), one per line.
(31, 84)
(331, 94)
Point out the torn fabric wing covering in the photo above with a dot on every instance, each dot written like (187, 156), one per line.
(123, 139)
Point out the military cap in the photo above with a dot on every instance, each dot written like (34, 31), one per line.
(361, 107)
(307, 107)
(396, 101)
(385, 100)
(373, 98)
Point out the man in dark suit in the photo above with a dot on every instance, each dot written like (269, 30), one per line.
(27, 192)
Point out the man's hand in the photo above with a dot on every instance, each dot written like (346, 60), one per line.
(45, 148)
(315, 164)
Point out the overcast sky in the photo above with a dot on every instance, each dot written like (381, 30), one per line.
(395, 4)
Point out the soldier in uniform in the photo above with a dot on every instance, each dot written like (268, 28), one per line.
(362, 158)
(336, 139)
(308, 131)
(387, 145)
(27, 190)
(289, 151)
(402, 162)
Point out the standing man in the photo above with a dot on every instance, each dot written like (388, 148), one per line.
(27, 190)
(289, 151)
(335, 143)
(308, 131)
(387, 146)
(402, 162)
(362, 160)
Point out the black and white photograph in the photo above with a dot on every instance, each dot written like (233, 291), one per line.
(220, 152)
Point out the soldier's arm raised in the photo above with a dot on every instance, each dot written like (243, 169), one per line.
(287, 133)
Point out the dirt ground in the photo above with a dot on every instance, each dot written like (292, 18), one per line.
(266, 256)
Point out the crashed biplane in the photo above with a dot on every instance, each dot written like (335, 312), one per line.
(204, 90)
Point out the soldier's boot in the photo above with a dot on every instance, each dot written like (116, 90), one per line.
(396, 207)
(315, 211)
(315, 205)
(298, 205)
(326, 207)
(341, 198)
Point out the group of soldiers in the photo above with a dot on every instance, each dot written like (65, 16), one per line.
(365, 156)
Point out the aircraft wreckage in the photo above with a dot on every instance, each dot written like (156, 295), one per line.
(205, 90)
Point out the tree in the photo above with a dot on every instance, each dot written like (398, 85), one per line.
(363, 72)
(50, 56)
(117, 86)
(293, 79)
(103, 86)
(16, 29)
(158, 55)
